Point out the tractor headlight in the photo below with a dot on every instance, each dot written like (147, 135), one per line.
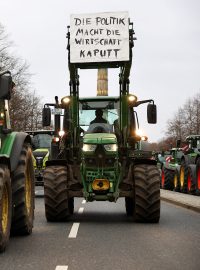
(65, 100)
(110, 147)
(144, 138)
(89, 147)
(55, 139)
(139, 132)
(61, 133)
(132, 100)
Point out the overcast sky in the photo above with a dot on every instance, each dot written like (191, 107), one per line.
(166, 56)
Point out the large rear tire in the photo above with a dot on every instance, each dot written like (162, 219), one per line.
(5, 207)
(23, 185)
(58, 205)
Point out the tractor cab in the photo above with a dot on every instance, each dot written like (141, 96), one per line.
(41, 145)
(98, 115)
(193, 142)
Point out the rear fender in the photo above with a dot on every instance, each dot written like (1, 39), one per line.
(56, 162)
(145, 161)
(178, 168)
(185, 160)
(20, 139)
(5, 160)
(169, 166)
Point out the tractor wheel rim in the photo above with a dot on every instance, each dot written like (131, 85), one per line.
(182, 177)
(162, 178)
(5, 210)
(198, 178)
(189, 181)
(175, 180)
(28, 189)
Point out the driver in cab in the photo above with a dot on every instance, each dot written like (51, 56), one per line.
(99, 117)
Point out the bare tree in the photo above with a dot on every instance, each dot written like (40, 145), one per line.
(196, 114)
(25, 107)
(175, 125)
(186, 121)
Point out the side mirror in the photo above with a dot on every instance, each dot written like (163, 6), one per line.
(194, 143)
(57, 123)
(178, 143)
(32, 143)
(46, 117)
(6, 85)
(151, 113)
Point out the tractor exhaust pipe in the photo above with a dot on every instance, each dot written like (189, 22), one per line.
(102, 82)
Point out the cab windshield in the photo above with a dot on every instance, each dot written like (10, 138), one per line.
(42, 141)
(92, 112)
(194, 143)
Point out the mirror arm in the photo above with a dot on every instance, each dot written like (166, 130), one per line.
(46, 105)
(57, 102)
(136, 115)
(5, 72)
(143, 101)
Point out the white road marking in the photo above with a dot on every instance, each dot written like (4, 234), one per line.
(74, 230)
(61, 267)
(80, 210)
(84, 201)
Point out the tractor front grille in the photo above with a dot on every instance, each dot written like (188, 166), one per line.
(93, 162)
(100, 159)
(91, 175)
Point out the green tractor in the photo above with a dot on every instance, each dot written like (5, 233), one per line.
(41, 144)
(171, 169)
(190, 166)
(16, 173)
(99, 155)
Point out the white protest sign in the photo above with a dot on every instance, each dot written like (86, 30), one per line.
(100, 37)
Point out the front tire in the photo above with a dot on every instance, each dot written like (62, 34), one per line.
(177, 179)
(168, 179)
(145, 206)
(147, 193)
(183, 176)
(23, 185)
(5, 207)
(58, 205)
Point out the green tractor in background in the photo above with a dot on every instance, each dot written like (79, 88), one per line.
(16, 172)
(99, 155)
(41, 144)
(189, 179)
(171, 169)
(181, 170)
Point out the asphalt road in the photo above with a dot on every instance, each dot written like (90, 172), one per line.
(99, 236)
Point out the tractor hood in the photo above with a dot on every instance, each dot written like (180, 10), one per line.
(99, 138)
(41, 152)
